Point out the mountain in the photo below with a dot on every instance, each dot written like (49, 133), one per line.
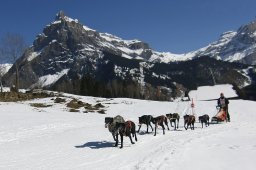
(68, 56)
(234, 46)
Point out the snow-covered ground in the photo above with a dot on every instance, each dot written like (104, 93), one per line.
(212, 92)
(4, 68)
(54, 138)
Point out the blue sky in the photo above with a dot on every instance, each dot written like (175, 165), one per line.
(177, 26)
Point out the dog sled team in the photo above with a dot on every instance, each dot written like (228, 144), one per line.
(117, 126)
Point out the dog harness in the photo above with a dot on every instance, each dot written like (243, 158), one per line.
(128, 124)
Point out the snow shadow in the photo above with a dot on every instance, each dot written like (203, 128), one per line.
(176, 130)
(145, 133)
(97, 145)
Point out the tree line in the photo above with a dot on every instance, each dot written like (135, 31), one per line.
(89, 86)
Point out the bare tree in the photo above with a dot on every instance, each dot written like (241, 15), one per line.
(2, 71)
(12, 47)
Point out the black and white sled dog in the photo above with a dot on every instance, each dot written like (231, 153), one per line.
(110, 123)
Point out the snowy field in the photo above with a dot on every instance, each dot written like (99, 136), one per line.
(54, 138)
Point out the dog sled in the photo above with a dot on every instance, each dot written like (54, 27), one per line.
(220, 116)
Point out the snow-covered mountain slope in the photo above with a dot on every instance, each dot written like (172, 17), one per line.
(233, 46)
(53, 138)
(90, 41)
(4, 68)
(67, 44)
(67, 53)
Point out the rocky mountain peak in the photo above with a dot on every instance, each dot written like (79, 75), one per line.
(60, 15)
(248, 28)
(138, 45)
(247, 34)
(64, 30)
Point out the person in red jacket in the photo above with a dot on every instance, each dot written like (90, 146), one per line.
(222, 103)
